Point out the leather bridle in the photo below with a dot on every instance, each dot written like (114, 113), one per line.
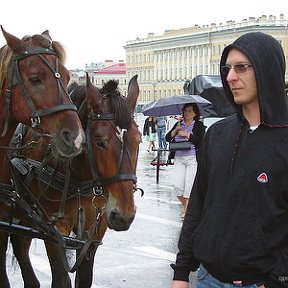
(14, 78)
(97, 182)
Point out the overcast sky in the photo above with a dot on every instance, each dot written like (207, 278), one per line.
(96, 30)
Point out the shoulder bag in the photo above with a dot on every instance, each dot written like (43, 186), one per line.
(182, 145)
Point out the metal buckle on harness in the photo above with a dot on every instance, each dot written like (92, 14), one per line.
(35, 121)
(57, 75)
(97, 191)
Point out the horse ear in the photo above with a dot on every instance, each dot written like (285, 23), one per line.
(93, 95)
(133, 92)
(47, 36)
(13, 42)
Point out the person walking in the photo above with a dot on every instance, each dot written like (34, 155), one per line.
(149, 130)
(235, 227)
(189, 129)
(161, 131)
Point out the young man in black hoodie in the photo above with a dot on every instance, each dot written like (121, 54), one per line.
(236, 224)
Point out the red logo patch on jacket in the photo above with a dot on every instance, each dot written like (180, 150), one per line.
(262, 178)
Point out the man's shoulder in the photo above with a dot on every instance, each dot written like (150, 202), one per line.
(229, 120)
(223, 125)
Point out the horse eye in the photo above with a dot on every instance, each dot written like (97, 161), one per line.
(100, 144)
(34, 80)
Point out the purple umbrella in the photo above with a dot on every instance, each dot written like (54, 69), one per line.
(173, 105)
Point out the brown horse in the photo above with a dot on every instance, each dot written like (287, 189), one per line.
(103, 180)
(33, 83)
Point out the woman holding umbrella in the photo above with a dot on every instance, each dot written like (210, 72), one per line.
(189, 129)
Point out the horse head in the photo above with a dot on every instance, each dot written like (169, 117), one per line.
(33, 82)
(113, 141)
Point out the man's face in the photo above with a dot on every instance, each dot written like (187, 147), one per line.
(241, 78)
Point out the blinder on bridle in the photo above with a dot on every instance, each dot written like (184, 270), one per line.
(14, 78)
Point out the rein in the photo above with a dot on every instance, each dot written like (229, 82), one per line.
(14, 78)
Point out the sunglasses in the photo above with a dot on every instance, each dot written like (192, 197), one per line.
(238, 68)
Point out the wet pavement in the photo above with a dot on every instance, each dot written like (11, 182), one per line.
(141, 256)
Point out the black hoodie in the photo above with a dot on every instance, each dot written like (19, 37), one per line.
(236, 223)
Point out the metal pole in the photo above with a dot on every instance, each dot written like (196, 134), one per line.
(158, 166)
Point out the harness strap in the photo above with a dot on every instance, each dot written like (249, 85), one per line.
(89, 241)
(35, 170)
(96, 116)
(18, 79)
(14, 77)
(110, 180)
(55, 109)
(34, 112)
(97, 180)
(92, 163)
(22, 188)
(6, 188)
(60, 214)
(49, 176)
(49, 230)
(32, 51)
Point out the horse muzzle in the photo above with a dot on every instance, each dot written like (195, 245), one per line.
(119, 222)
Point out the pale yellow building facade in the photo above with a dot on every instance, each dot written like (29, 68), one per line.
(164, 62)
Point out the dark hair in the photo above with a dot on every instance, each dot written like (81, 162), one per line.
(195, 109)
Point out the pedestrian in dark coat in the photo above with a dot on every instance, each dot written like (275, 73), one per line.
(149, 130)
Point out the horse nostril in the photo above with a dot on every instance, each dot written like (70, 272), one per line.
(115, 213)
(67, 137)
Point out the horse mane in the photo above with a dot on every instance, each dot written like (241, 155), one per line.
(6, 52)
(71, 87)
(77, 94)
(60, 51)
(118, 104)
(5, 60)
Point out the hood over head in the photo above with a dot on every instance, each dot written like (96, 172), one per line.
(268, 60)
